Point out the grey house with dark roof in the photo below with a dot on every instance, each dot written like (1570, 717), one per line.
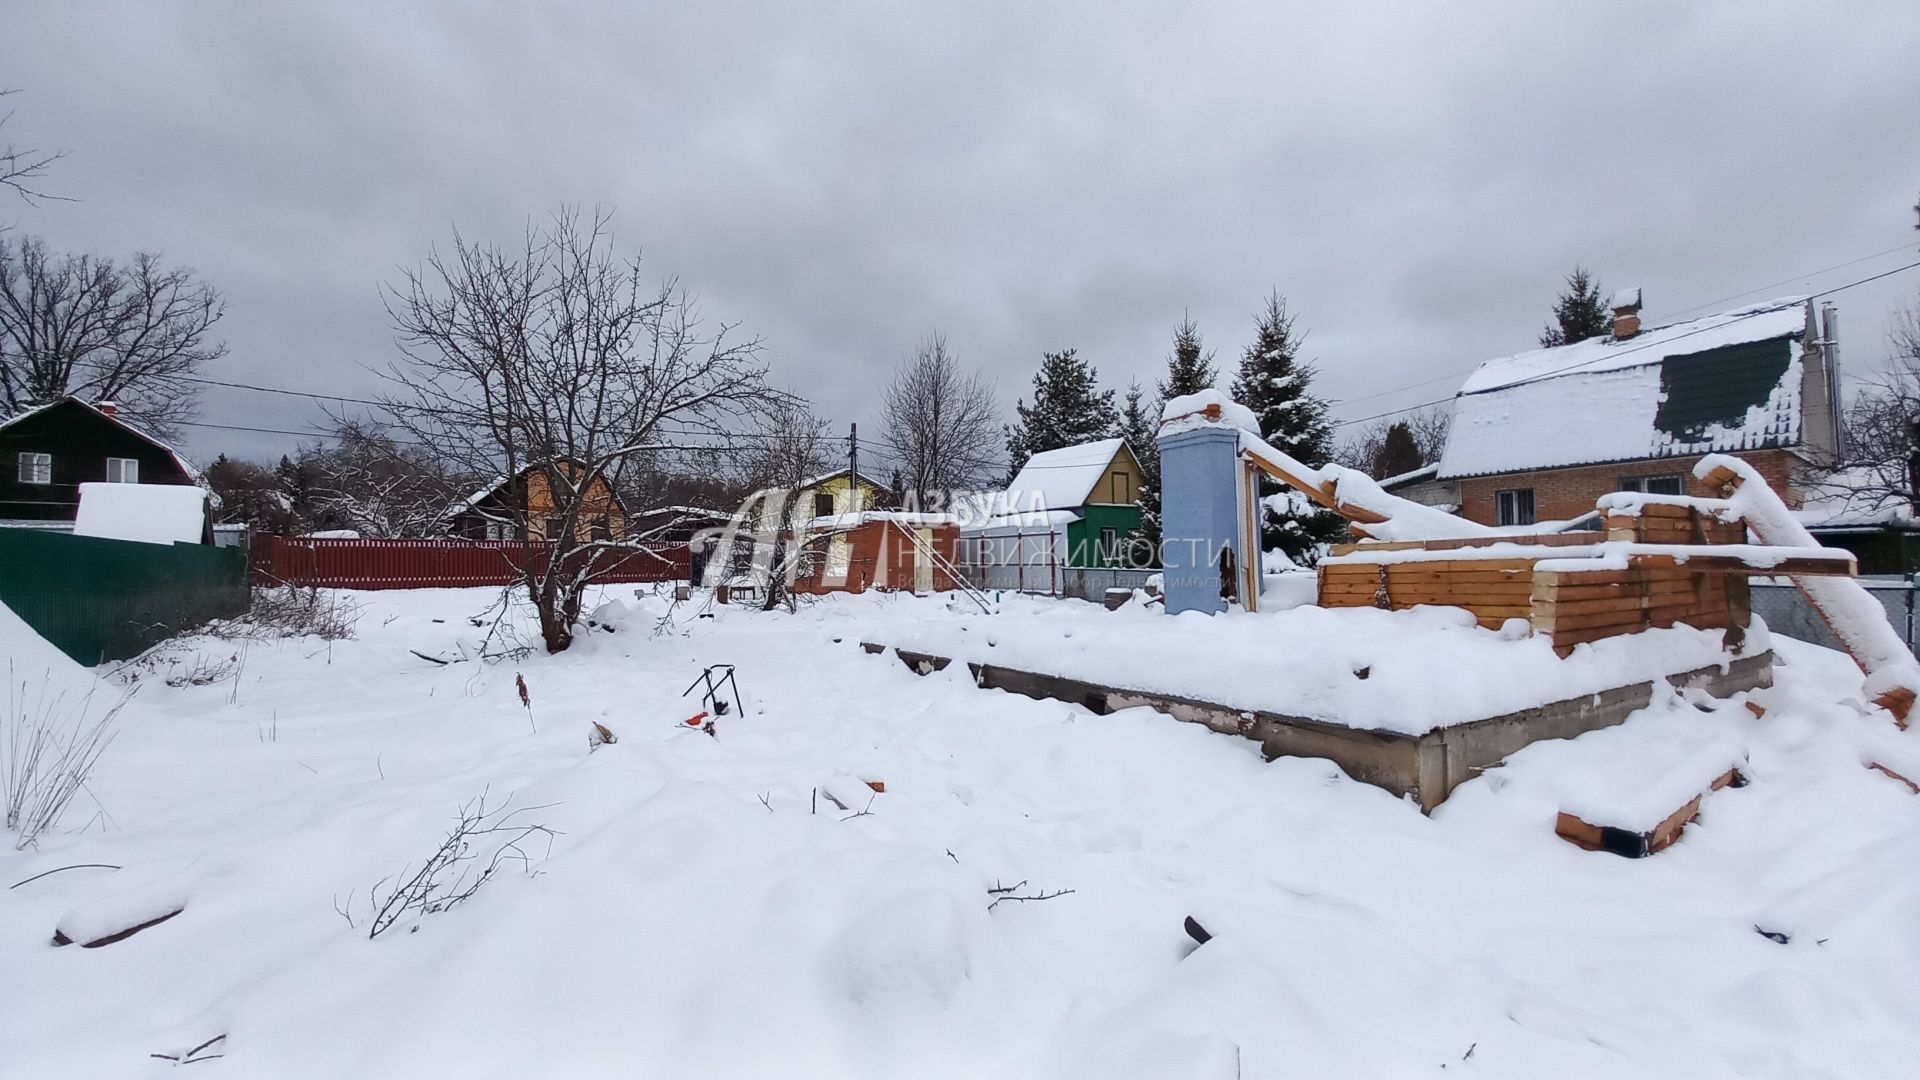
(1540, 435)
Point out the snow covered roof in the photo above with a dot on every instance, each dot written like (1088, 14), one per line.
(1411, 476)
(816, 481)
(1729, 381)
(148, 513)
(843, 522)
(1061, 479)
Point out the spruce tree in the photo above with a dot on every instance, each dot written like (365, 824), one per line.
(1140, 425)
(1188, 370)
(1398, 453)
(1273, 381)
(1580, 313)
(1068, 408)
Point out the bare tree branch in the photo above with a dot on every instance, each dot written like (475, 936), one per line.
(87, 327)
(21, 167)
(944, 424)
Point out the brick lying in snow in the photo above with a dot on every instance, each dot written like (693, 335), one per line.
(117, 918)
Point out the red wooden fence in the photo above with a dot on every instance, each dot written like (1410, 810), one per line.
(430, 564)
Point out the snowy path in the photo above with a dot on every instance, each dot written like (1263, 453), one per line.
(682, 928)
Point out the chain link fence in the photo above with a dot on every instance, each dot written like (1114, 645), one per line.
(1787, 611)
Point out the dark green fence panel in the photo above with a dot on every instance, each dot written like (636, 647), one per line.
(100, 600)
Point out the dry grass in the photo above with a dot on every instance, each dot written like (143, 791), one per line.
(49, 743)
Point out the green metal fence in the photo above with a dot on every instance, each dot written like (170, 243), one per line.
(99, 600)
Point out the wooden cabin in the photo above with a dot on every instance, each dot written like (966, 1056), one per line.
(522, 507)
(48, 452)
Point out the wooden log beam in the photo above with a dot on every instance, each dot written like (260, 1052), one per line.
(1840, 564)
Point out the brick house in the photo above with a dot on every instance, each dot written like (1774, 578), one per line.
(1539, 436)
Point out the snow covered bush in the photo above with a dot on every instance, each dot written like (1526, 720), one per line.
(48, 747)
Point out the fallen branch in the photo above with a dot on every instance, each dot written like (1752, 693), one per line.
(57, 869)
(1001, 892)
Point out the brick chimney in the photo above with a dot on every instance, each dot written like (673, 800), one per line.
(1626, 313)
(107, 408)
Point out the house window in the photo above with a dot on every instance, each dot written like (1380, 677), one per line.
(822, 504)
(1109, 544)
(36, 468)
(556, 528)
(1120, 488)
(602, 528)
(1514, 506)
(123, 470)
(1654, 485)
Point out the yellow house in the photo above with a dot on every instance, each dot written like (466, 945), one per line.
(840, 492)
(833, 494)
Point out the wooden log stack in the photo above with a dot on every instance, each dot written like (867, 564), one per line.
(1637, 580)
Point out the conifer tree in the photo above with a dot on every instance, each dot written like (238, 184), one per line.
(1399, 452)
(1274, 382)
(1068, 408)
(1188, 370)
(1140, 425)
(1580, 313)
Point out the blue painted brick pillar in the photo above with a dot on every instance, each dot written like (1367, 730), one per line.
(1200, 481)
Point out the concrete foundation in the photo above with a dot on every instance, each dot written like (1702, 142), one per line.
(1427, 767)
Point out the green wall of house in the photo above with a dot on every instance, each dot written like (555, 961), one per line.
(1083, 536)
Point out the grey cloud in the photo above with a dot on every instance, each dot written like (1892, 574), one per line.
(1415, 177)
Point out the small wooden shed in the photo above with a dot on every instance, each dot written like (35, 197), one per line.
(878, 549)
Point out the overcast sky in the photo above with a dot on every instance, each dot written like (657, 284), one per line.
(1415, 177)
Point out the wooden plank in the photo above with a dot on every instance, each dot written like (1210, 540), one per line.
(1509, 587)
(1460, 576)
(1703, 563)
(1553, 593)
(1660, 616)
(1588, 577)
(1549, 609)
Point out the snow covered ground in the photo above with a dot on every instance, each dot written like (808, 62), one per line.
(700, 914)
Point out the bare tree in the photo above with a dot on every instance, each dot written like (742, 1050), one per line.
(1877, 466)
(793, 448)
(87, 327)
(558, 357)
(21, 167)
(943, 423)
(367, 481)
(1365, 449)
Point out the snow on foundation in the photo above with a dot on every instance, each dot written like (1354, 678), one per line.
(1425, 667)
(148, 513)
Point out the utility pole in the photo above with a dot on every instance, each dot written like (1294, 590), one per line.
(853, 468)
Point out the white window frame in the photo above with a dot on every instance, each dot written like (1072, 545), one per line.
(1507, 508)
(118, 469)
(36, 467)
